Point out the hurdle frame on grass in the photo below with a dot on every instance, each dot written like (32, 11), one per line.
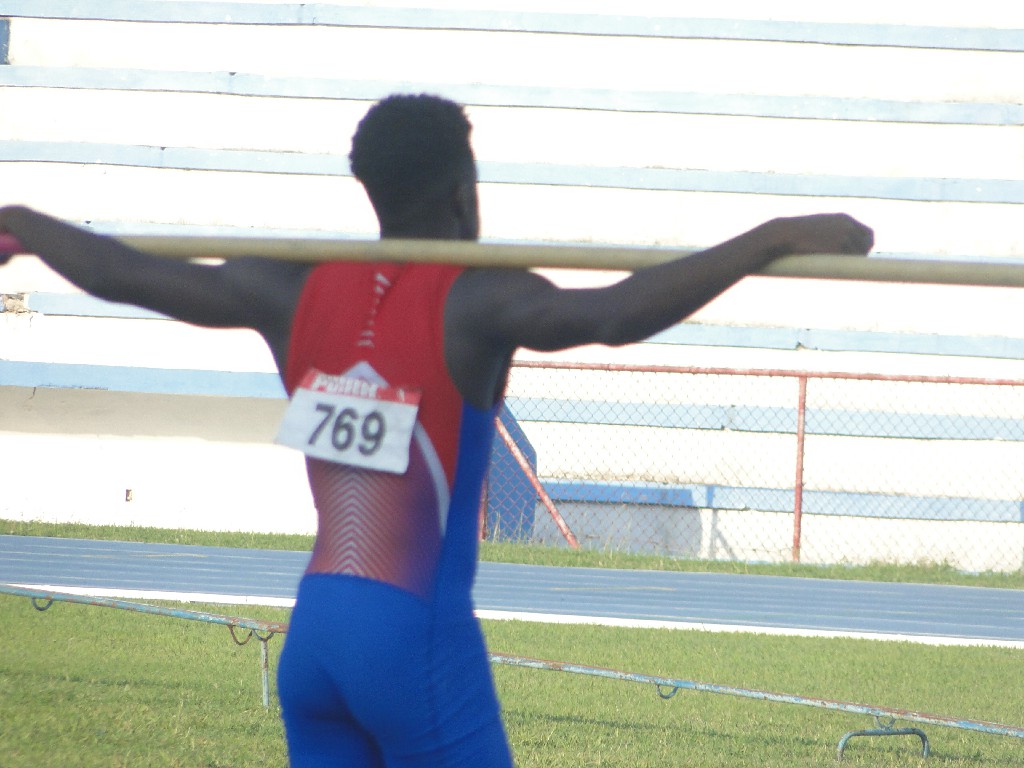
(263, 631)
(667, 687)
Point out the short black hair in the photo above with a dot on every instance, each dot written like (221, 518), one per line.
(409, 149)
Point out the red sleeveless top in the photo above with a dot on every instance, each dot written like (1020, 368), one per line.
(382, 323)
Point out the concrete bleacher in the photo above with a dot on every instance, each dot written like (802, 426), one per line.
(655, 124)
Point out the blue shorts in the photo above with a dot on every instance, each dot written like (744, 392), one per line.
(371, 675)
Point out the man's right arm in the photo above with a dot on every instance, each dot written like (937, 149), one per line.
(249, 293)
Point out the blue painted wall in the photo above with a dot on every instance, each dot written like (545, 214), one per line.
(511, 499)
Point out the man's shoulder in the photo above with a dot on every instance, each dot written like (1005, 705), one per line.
(262, 265)
(491, 279)
(268, 289)
(258, 275)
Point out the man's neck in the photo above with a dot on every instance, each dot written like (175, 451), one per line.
(434, 228)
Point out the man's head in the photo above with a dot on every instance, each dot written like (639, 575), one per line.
(413, 156)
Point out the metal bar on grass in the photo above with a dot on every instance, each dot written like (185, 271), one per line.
(667, 686)
(674, 684)
(262, 630)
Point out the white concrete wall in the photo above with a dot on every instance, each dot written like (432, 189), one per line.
(767, 537)
(214, 95)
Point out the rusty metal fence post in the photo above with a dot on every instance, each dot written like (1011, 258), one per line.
(798, 483)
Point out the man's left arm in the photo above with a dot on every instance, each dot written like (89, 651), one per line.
(517, 309)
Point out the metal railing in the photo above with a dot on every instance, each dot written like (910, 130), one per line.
(767, 465)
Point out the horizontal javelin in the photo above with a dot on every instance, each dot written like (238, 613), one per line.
(474, 254)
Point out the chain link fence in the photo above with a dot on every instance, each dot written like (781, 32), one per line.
(760, 465)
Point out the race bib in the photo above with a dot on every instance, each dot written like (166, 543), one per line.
(351, 421)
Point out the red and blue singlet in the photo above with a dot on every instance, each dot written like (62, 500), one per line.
(384, 663)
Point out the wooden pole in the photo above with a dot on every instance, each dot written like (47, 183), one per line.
(473, 254)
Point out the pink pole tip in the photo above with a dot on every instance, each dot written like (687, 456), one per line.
(9, 245)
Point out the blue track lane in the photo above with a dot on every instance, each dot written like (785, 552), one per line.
(716, 601)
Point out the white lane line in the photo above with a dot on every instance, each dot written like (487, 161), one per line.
(547, 618)
(175, 597)
(551, 618)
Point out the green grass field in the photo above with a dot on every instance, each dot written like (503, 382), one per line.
(88, 686)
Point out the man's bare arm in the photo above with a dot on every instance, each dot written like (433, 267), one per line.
(252, 293)
(524, 310)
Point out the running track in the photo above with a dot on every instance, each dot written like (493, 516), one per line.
(719, 602)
